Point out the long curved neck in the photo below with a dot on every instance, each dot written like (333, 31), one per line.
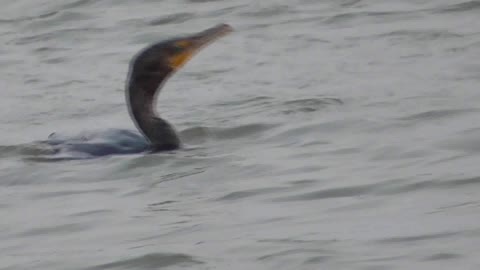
(141, 100)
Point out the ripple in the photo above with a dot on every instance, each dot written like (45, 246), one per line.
(426, 35)
(380, 189)
(351, 16)
(222, 11)
(50, 14)
(285, 147)
(330, 193)
(26, 150)
(91, 213)
(58, 34)
(282, 254)
(268, 11)
(78, 3)
(442, 256)
(317, 259)
(309, 104)
(416, 238)
(52, 194)
(60, 229)
(30, 18)
(460, 7)
(150, 261)
(241, 131)
(172, 19)
(467, 142)
(197, 134)
(61, 18)
(437, 114)
(430, 184)
(255, 101)
(249, 193)
(9, 150)
(349, 3)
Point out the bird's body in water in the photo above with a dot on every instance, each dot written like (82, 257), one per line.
(149, 70)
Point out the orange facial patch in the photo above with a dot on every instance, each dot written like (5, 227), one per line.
(177, 61)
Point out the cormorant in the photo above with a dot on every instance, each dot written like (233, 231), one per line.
(149, 70)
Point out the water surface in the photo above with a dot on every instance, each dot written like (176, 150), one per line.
(320, 135)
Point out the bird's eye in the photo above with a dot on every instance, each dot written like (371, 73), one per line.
(179, 46)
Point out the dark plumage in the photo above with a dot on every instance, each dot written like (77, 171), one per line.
(149, 70)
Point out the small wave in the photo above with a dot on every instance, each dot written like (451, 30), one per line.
(416, 238)
(200, 134)
(58, 34)
(348, 17)
(61, 229)
(428, 185)
(241, 131)
(62, 18)
(66, 193)
(7, 151)
(195, 135)
(78, 3)
(296, 251)
(220, 11)
(309, 104)
(172, 19)
(30, 18)
(92, 144)
(330, 193)
(380, 189)
(433, 184)
(349, 3)
(301, 105)
(423, 35)
(150, 261)
(100, 212)
(258, 100)
(49, 14)
(442, 256)
(460, 7)
(236, 195)
(467, 142)
(270, 11)
(437, 114)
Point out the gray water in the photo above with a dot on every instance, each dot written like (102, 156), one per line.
(319, 135)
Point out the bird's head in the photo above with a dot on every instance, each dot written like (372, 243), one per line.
(153, 64)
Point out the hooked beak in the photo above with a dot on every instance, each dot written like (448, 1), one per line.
(194, 43)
